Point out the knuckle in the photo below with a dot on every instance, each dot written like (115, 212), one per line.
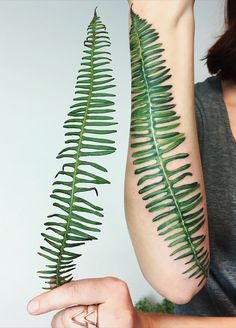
(115, 282)
(65, 317)
(122, 285)
(54, 322)
(71, 289)
(111, 279)
(60, 319)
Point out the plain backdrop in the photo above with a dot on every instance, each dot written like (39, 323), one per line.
(41, 48)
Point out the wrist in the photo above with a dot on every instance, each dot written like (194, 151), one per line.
(141, 320)
(168, 11)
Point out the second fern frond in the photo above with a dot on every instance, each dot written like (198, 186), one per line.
(173, 202)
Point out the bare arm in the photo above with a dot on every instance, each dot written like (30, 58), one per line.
(115, 307)
(151, 320)
(165, 199)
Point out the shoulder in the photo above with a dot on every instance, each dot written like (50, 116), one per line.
(207, 103)
(206, 95)
(207, 89)
(207, 98)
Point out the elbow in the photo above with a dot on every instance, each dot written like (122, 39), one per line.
(178, 291)
(181, 294)
(182, 297)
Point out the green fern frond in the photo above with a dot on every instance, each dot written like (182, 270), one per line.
(172, 201)
(88, 126)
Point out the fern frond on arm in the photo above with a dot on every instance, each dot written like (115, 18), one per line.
(88, 128)
(174, 203)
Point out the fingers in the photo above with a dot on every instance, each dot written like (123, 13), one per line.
(63, 318)
(82, 292)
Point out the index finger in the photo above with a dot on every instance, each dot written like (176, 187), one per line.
(82, 292)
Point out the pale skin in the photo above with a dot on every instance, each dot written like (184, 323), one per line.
(229, 95)
(112, 294)
(174, 21)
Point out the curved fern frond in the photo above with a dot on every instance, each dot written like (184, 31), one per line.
(173, 202)
(88, 126)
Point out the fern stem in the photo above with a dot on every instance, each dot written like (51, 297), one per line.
(58, 281)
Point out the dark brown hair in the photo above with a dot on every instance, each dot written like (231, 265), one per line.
(221, 57)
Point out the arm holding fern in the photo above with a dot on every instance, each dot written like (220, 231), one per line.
(112, 294)
(162, 75)
(115, 307)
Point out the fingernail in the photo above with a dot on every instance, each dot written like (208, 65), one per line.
(33, 306)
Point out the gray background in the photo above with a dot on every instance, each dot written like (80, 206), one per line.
(41, 47)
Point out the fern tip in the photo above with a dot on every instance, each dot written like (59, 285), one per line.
(131, 7)
(95, 12)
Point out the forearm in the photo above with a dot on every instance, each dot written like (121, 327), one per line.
(176, 33)
(151, 320)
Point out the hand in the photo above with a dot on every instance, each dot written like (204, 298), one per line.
(115, 308)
